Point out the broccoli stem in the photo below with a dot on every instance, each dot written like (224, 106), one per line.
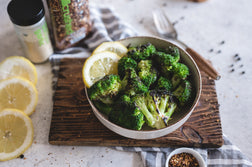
(170, 110)
(140, 102)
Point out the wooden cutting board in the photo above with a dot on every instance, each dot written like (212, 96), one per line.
(73, 122)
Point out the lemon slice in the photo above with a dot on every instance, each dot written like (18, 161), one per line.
(16, 133)
(98, 65)
(18, 93)
(18, 66)
(115, 47)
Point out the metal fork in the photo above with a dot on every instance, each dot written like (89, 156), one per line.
(166, 29)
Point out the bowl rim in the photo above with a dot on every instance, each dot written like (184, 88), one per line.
(195, 153)
(119, 130)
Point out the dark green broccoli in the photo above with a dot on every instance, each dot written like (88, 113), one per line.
(164, 84)
(104, 108)
(141, 52)
(180, 72)
(125, 63)
(105, 89)
(183, 92)
(128, 99)
(126, 114)
(146, 72)
(132, 84)
(164, 63)
(173, 51)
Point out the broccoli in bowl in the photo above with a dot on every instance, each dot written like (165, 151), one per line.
(151, 85)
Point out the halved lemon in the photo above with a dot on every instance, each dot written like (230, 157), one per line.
(98, 65)
(18, 93)
(18, 66)
(115, 47)
(16, 133)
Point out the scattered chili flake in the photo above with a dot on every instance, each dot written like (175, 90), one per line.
(238, 59)
(232, 70)
(241, 65)
(232, 65)
(211, 50)
(236, 55)
(222, 42)
(243, 72)
(183, 159)
(219, 51)
(21, 156)
(174, 23)
(141, 21)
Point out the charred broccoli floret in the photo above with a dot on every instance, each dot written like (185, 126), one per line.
(140, 101)
(180, 72)
(164, 84)
(146, 72)
(132, 84)
(105, 89)
(174, 51)
(156, 107)
(164, 62)
(165, 106)
(126, 114)
(125, 63)
(183, 92)
(141, 52)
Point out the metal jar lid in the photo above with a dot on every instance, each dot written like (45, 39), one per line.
(25, 12)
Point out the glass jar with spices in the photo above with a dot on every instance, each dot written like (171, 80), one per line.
(70, 21)
(28, 17)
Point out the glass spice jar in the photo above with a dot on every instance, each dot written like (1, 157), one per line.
(28, 18)
(70, 21)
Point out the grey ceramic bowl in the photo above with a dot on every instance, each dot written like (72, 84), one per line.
(178, 118)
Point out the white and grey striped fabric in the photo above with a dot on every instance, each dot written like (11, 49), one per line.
(107, 26)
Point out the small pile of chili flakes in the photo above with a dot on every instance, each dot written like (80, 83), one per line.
(183, 160)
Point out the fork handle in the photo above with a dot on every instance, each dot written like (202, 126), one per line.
(203, 64)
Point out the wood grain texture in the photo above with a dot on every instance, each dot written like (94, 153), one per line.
(73, 122)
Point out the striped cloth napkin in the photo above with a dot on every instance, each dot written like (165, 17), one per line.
(107, 26)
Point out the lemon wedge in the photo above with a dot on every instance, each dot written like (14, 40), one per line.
(16, 133)
(115, 47)
(18, 93)
(98, 65)
(18, 66)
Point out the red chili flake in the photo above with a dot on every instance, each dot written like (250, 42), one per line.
(183, 159)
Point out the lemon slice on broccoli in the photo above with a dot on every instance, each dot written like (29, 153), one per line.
(99, 65)
(115, 47)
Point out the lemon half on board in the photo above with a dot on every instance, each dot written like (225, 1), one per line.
(115, 47)
(98, 65)
(18, 66)
(18, 93)
(16, 133)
